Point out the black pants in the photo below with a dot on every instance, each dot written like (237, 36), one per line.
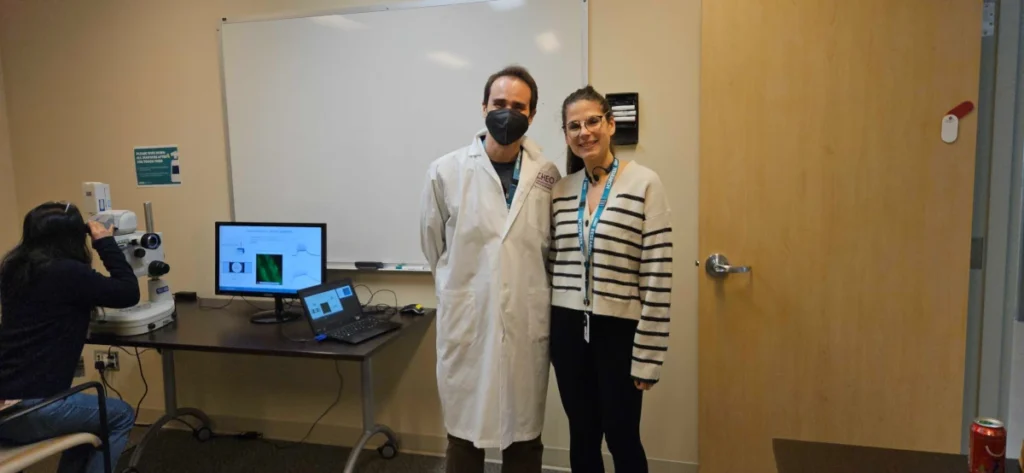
(520, 457)
(597, 390)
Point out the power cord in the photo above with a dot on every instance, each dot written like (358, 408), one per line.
(145, 384)
(337, 399)
(103, 379)
(142, 374)
(384, 310)
(287, 305)
(219, 307)
(279, 447)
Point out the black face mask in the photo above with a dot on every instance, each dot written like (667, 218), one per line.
(506, 126)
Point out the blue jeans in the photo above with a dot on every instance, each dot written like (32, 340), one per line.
(77, 413)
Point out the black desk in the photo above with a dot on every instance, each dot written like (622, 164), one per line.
(793, 456)
(228, 330)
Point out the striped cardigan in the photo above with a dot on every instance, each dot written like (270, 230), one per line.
(631, 269)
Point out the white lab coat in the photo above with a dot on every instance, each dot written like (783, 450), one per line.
(494, 297)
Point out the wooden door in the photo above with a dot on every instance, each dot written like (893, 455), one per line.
(822, 167)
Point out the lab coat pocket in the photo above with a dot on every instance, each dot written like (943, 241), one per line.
(539, 306)
(458, 356)
(457, 316)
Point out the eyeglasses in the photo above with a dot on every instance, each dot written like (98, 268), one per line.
(574, 128)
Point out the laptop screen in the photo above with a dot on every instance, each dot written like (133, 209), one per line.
(330, 305)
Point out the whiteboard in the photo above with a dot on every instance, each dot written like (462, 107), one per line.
(334, 119)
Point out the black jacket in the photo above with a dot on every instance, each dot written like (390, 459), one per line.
(42, 333)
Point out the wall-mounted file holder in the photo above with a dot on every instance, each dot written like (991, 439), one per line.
(626, 112)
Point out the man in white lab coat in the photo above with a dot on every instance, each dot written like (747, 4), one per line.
(485, 229)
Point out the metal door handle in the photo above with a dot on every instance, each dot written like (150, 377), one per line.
(717, 265)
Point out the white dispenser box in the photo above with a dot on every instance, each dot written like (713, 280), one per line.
(96, 198)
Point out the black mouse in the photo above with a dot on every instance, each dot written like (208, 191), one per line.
(414, 309)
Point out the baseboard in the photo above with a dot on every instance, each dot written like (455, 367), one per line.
(346, 436)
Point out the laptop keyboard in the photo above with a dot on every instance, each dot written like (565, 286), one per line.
(355, 328)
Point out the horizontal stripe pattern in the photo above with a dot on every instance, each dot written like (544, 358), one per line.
(618, 282)
(616, 239)
(625, 212)
(623, 297)
(644, 360)
(614, 254)
(622, 226)
(632, 260)
(658, 232)
(644, 318)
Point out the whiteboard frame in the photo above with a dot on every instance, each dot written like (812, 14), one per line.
(584, 11)
(352, 10)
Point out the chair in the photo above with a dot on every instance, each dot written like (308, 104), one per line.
(16, 459)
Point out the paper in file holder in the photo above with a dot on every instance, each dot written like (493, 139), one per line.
(626, 112)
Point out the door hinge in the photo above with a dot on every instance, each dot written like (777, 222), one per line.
(988, 19)
(977, 253)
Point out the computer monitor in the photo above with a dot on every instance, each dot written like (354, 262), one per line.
(270, 260)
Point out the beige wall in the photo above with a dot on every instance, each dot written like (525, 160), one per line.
(87, 81)
(10, 229)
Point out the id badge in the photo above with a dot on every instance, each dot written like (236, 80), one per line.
(586, 327)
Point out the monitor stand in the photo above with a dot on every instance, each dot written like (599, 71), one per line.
(278, 315)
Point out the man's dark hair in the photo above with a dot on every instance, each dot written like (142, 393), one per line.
(518, 72)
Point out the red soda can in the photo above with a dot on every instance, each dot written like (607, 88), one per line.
(988, 446)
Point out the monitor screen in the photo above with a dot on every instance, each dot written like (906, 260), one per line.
(328, 302)
(269, 259)
(331, 303)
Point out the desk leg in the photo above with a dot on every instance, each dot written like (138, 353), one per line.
(171, 413)
(370, 427)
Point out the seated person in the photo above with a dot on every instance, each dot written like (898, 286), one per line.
(48, 291)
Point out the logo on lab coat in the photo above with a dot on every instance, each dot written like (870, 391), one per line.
(546, 181)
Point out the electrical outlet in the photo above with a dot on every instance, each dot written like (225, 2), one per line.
(80, 368)
(109, 360)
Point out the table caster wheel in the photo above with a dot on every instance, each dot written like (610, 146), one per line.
(203, 434)
(388, 451)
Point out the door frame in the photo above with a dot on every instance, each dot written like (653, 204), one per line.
(998, 239)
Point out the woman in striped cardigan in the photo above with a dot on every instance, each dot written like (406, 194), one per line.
(611, 268)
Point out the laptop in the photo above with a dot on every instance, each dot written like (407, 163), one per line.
(334, 312)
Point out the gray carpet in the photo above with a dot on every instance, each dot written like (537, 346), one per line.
(175, 451)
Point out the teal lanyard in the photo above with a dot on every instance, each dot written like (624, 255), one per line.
(588, 255)
(511, 194)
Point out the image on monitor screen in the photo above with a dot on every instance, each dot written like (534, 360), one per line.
(269, 269)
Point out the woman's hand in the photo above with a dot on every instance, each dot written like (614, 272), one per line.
(98, 230)
(642, 385)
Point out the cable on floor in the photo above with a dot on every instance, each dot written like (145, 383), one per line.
(276, 445)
